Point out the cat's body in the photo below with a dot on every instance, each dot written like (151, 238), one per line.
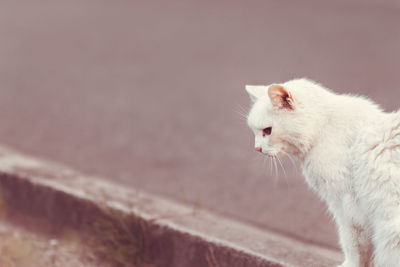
(349, 150)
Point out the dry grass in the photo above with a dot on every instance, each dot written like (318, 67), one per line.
(22, 248)
(23, 243)
(16, 251)
(121, 239)
(211, 259)
(114, 239)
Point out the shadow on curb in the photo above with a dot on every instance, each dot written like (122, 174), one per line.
(129, 228)
(122, 239)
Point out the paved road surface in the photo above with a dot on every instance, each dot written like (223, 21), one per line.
(148, 93)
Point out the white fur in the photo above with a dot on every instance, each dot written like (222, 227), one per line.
(349, 150)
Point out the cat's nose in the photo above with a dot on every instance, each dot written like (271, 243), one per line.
(259, 149)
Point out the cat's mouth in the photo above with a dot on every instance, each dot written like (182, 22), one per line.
(275, 155)
(272, 154)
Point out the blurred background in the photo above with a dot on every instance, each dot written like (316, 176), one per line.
(150, 94)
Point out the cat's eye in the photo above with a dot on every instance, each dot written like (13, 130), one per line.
(267, 131)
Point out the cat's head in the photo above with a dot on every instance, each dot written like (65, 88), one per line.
(282, 117)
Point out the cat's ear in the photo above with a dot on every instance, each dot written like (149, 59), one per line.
(280, 97)
(256, 91)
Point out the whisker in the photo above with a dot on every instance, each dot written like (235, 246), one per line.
(242, 109)
(242, 116)
(256, 161)
(277, 170)
(292, 160)
(242, 112)
(264, 163)
(276, 167)
(270, 166)
(272, 171)
(283, 168)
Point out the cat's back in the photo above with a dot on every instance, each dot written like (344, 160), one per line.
(376, 163)
(379, 142)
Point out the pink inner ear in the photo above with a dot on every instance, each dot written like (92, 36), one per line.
(280, 97)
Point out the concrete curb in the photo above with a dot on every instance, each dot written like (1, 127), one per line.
(176, 235)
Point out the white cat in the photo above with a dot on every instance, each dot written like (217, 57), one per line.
(349, 150)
